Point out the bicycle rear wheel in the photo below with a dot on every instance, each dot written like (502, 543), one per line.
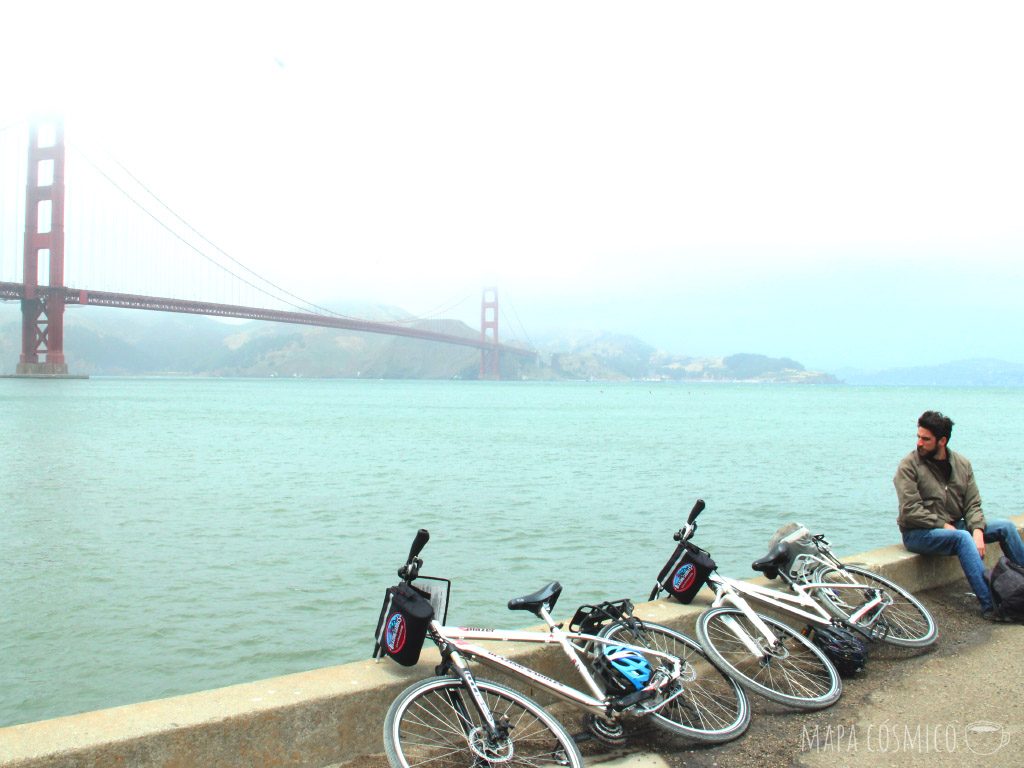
(433, 723)
(906, 622)
(793, 672)
(712, 707)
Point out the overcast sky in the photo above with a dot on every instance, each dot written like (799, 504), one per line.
(838, 183)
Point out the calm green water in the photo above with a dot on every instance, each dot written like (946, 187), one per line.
(160, 536)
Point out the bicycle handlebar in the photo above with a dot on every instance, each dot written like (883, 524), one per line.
(411, 569)
(422, 537)
(686, 532)
(698, 507)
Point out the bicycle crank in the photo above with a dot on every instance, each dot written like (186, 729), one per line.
(607, 731)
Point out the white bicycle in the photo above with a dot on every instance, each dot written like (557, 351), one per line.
(763, 654)
(877, 607)
(628, 668)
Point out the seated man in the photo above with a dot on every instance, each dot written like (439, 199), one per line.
(940, 508)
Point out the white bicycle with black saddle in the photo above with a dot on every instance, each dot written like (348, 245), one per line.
(763, 654)
(629, 669)
(875, 606)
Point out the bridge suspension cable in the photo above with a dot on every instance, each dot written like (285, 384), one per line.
(276, 291)
(443, 308)
(13, 137)
(304, 304)
(506, 303)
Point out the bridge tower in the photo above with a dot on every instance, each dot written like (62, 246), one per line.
(42, 311)
(490, 363)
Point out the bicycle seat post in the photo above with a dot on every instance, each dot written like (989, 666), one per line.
(545, 614)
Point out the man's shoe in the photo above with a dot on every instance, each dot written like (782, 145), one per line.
(994, 614)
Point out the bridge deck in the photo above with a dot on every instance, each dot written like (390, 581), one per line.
(16, 291)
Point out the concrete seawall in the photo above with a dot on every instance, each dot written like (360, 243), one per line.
(321, 718)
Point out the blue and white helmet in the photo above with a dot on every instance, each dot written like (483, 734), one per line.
(624, 670)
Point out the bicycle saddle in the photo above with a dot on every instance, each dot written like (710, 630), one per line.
(769, 564)
(532, 603)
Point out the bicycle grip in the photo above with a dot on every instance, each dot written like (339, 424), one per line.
(422, 537)
(697, 509)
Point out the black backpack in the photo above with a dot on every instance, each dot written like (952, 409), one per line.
(1006, 580)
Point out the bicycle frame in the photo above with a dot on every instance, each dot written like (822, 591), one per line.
(457, 643)
(800, 604)
(732, 591)
(457, 648)
(825, 559)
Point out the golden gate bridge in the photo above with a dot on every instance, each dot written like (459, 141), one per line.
(44, 291)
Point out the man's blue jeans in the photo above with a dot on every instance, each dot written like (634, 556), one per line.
(942, 541)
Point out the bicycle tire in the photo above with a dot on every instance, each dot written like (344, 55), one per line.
(905, 623)
(796, 673)
(434, 724)
(712, 707)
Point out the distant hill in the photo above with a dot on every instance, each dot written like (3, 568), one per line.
(982, 372)
(109, 342)
(594, 355)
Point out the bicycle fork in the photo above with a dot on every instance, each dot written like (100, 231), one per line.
(490, 740)
(759, 652)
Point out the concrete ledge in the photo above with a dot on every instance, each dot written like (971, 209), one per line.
(326, 716)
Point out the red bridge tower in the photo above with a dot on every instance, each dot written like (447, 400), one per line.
(42, 312)
(490, 363)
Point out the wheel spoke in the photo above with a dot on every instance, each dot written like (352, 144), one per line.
(711, 706)
(433, 724)
(904, 621)
(792, 672)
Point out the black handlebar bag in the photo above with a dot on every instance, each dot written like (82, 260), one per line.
(402, 626)
(686, 572)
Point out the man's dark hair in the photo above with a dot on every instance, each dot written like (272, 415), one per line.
(937, 424)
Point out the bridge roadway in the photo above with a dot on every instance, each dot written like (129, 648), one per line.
(958, 703)
(16, 291)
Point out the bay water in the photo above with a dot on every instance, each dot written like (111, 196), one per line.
(162, 535)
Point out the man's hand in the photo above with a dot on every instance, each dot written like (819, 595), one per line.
(977, 533)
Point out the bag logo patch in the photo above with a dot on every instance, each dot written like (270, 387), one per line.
(394, 635)
(684, 578)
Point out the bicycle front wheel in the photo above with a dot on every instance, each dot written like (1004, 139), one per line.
(792, 672)
(434, 723)
(712, 707)
(905, 622)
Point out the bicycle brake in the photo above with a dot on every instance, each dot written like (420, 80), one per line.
(504, 726)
